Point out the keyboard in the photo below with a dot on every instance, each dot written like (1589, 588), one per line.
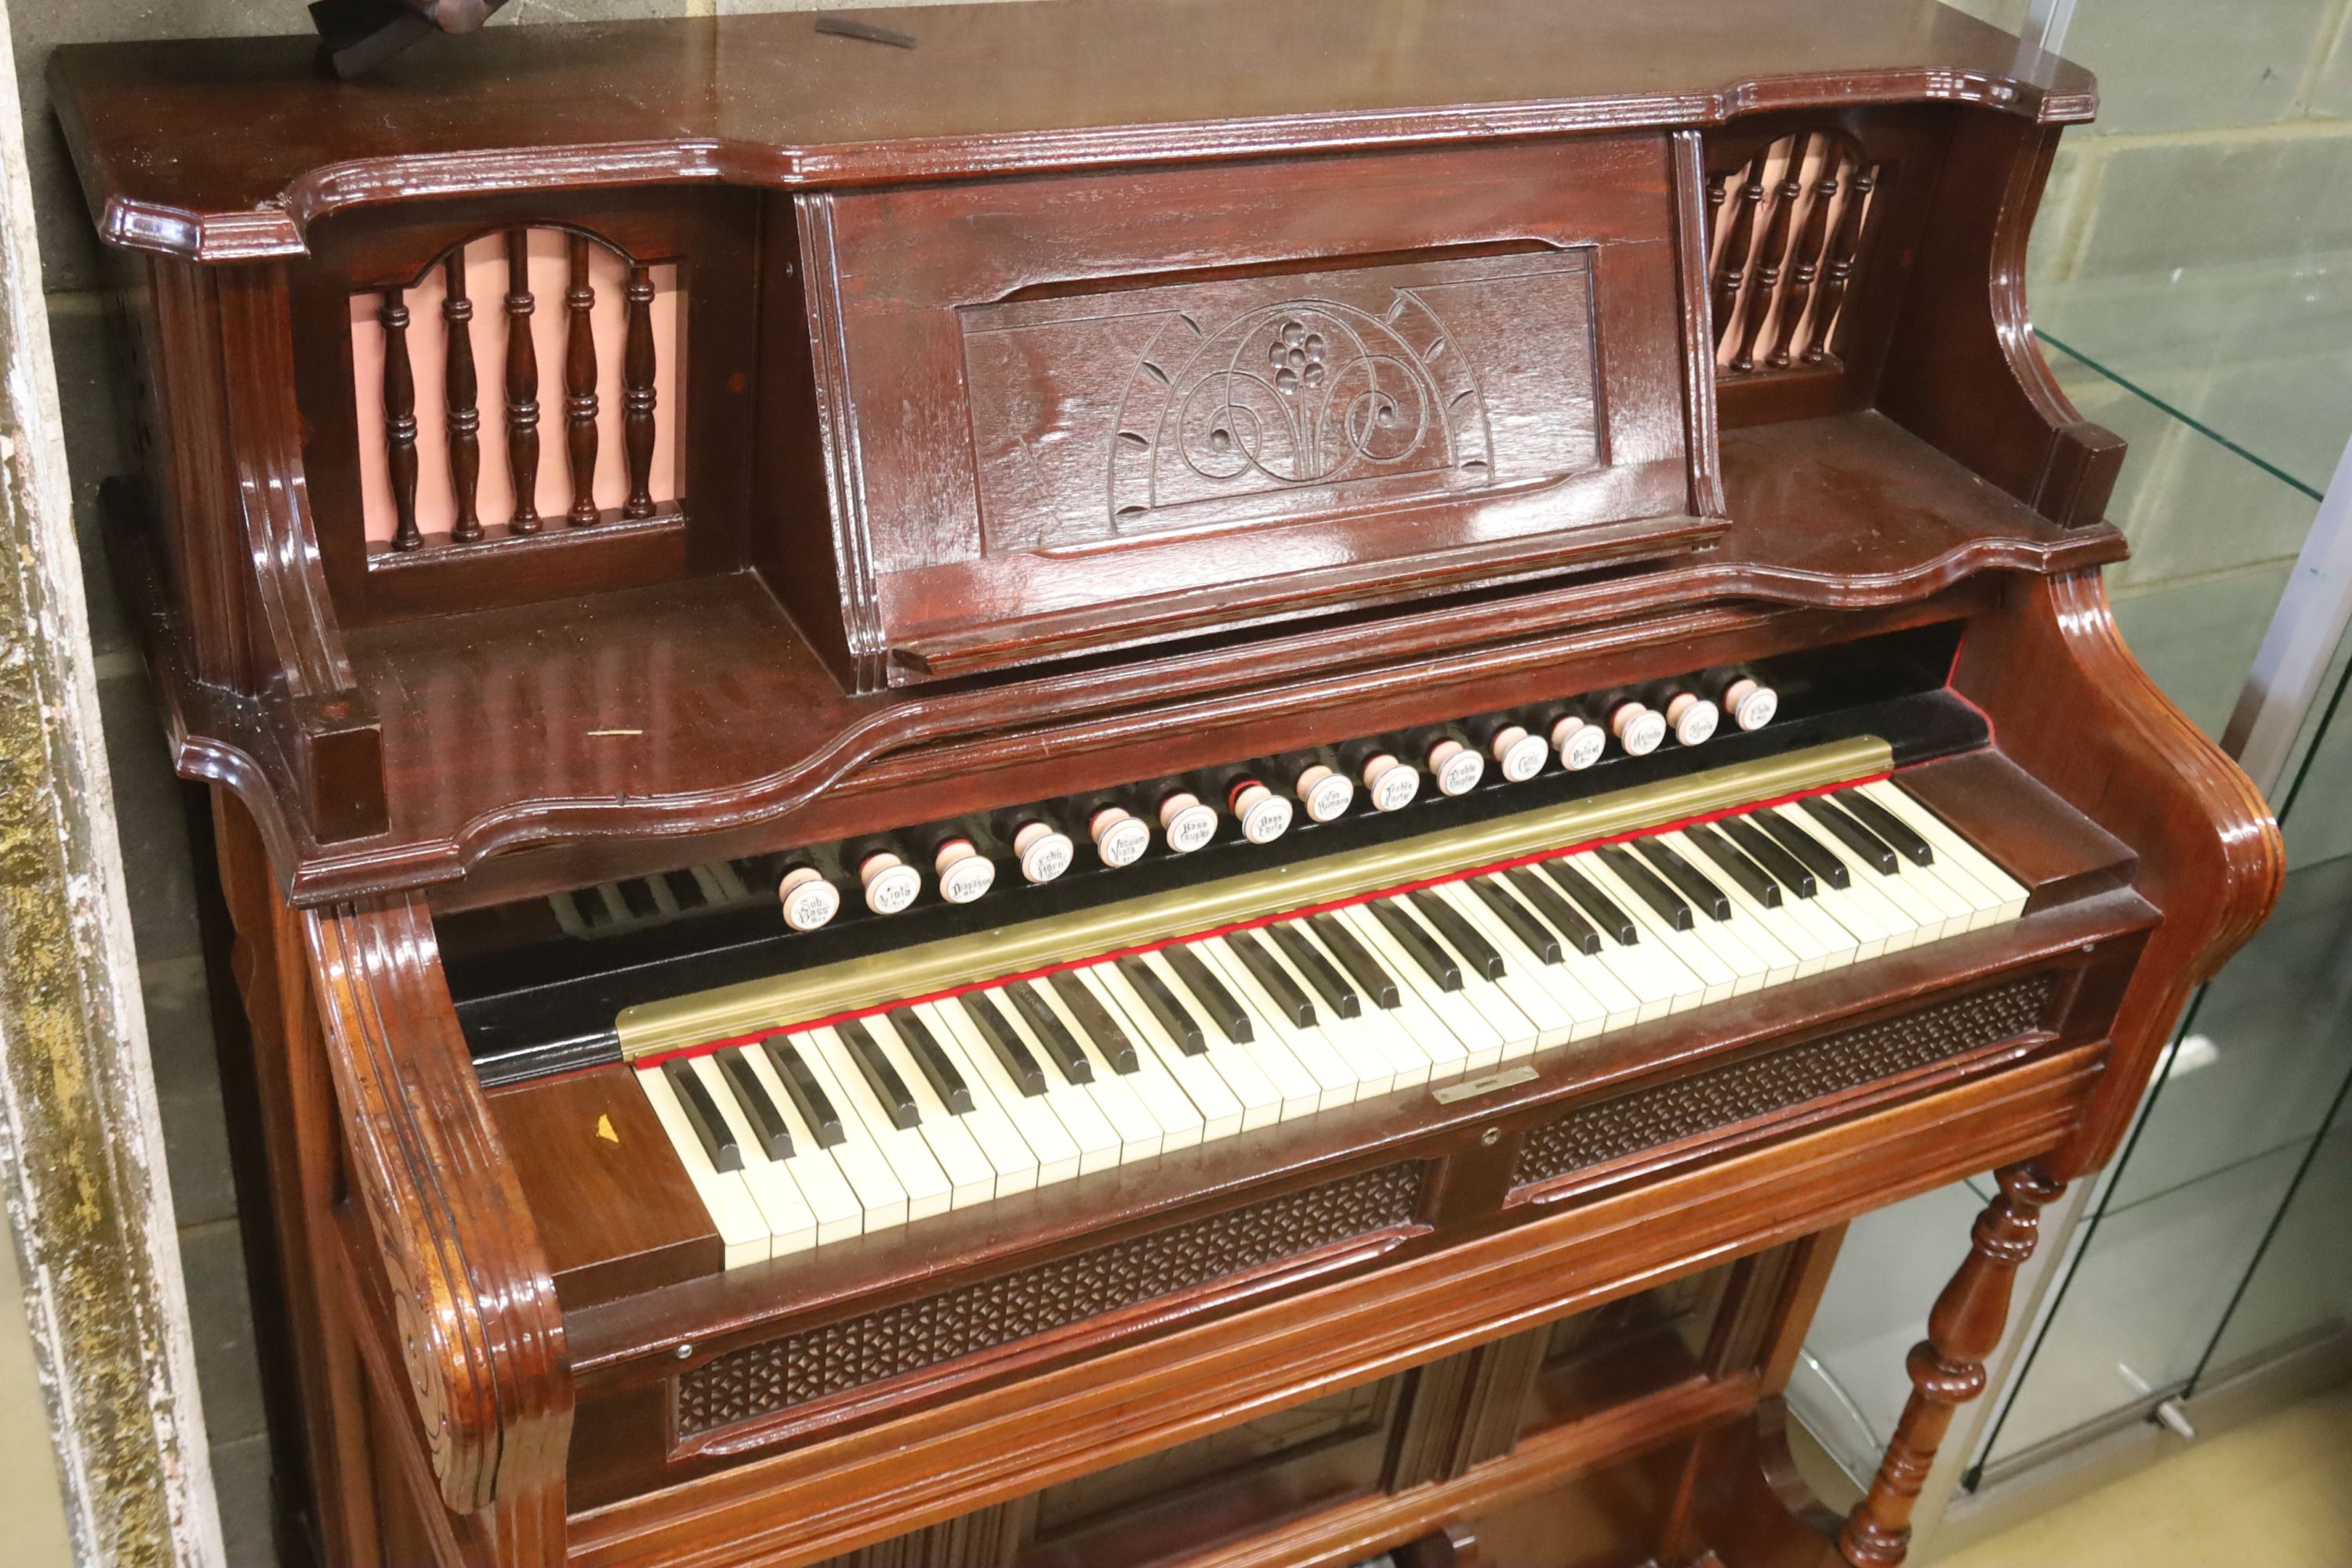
(806, 1135)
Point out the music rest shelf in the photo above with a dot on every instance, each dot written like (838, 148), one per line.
(604, 724)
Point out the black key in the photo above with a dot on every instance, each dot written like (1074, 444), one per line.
(1533, 934)
(1765, 849)
(710, 1129)
(684, 888)
(1418, 944)
(1047, 1025)
(1887, 826)
(1010, 1049)
(1459, 933)
(595, 908)
(1211, 992)
(808, 1096)
(1648, 887)
(897, 1099)
(639, 894)
(1806, 847)
(1357, 959)
(1164, 1005)
(1704, 895)
(1320, 971)
(924, 1047)
(1612, 920)
(1545, 900)
(768, 1124)
(1280, 988)
(1096, 1020)
(1752, 878)
(1872, 850)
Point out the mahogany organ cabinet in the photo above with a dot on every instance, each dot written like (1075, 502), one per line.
(1057, 786)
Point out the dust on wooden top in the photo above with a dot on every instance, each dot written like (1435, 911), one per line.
(227, 149)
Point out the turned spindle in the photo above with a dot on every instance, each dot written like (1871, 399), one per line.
(1733, 266)
(399, 419)
(1806, 262)
(1947, 1367)
(461, 415)
(1770, 257)
(637, 393)
(1839, 274)
(580, 387)
(522, 386)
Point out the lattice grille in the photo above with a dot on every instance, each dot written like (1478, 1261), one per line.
(1782, 1079)
(762, 1379)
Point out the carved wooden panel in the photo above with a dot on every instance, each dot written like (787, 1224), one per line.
(1778, 1080)
(762, 1379)
(1097, 408)
(1279, 398)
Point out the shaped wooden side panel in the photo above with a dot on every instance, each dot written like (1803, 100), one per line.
(480, 1337)
(2071, 706)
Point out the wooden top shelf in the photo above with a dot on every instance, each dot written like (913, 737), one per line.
(595, 729)
(230, 148)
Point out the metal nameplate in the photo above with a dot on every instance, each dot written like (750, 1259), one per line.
(1485, 1083)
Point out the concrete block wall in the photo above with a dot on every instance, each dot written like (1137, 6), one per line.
(2196, 243)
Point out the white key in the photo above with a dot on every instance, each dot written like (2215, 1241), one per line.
(991, 1131)
(861, 1163)
(1336, 1085)
(1374, 1072)
(1715, 977)
(971, 1178)
(1519, 1033)
(1099, 1142)
(1411, 1024)
(909, 1158)
(1864, 924)
(1379, 1028)
(791, 1227)
(1186, 1089)
(839, 1214)
(1049, 1143)
(2008, 894)
(1761, 938)
(1839, 945)
(1482, 1043)
(1927, 883)
(1660, 982)
(1934, 917)
(1560, 1007)
(1729, 942)
(1139, 1134)
(1775, 933)
(1620, 1008)
(1211, 1078)
(1301, 1095)
(742, 1232)
(1903, 929)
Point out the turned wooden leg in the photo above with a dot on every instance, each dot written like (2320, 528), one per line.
(1948, 1366)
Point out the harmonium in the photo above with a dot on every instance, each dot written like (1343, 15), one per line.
(1178, 782)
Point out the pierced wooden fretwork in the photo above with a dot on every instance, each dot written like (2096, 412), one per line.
(1783, 265)
(761, 1380)
(610, 355)
(1779, 1080)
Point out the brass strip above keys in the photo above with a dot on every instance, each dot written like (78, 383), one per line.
(919, 970)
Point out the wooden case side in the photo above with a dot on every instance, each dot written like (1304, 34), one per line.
(1962, 370)
(2073, 707)
(456, 1260)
